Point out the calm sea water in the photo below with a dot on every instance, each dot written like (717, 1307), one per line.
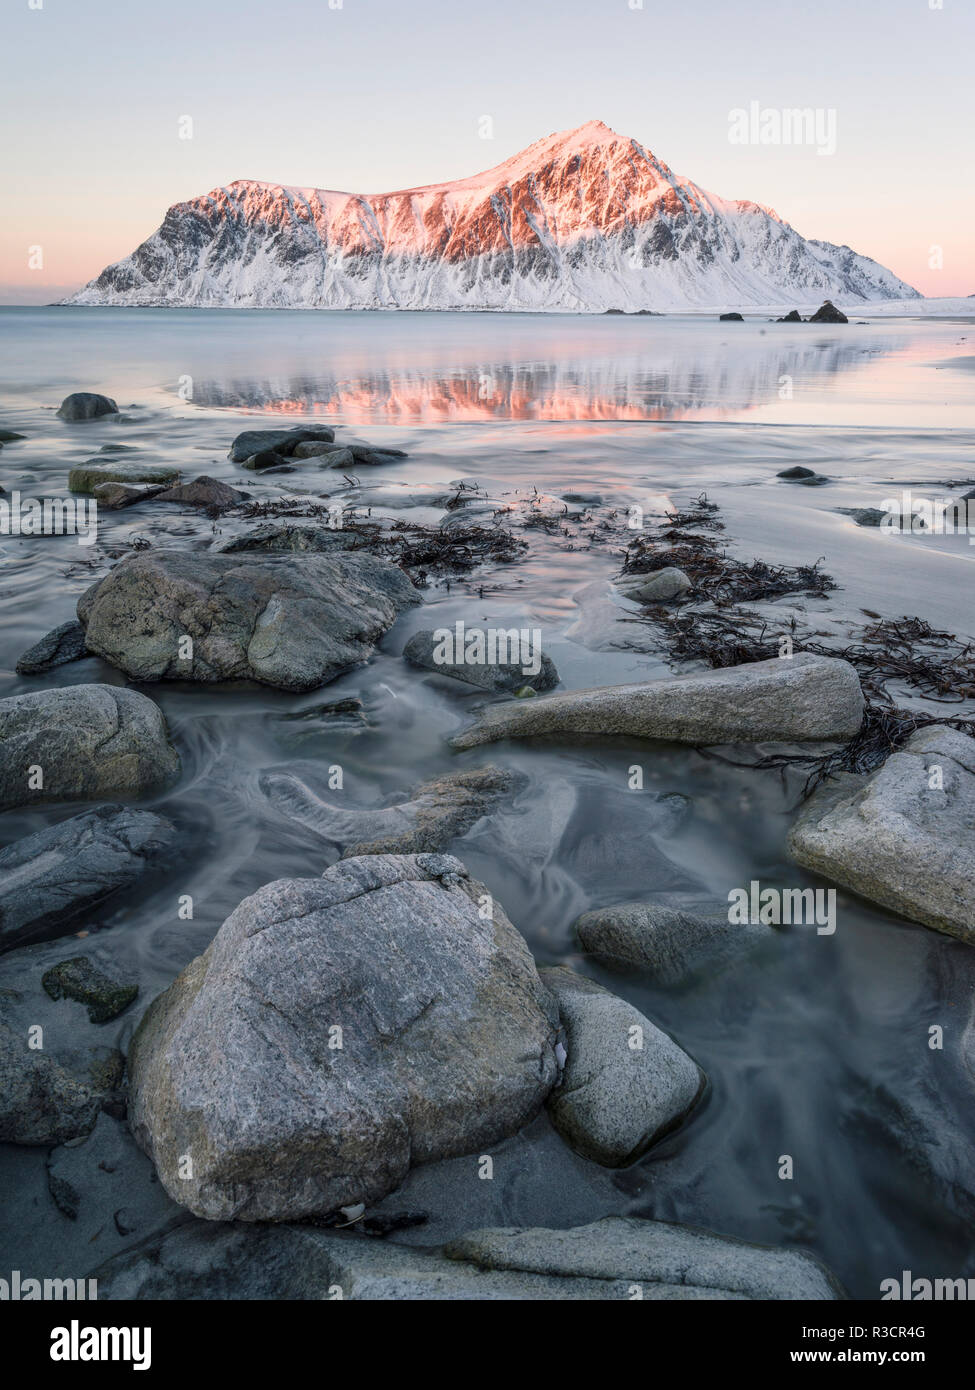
(818, 1047)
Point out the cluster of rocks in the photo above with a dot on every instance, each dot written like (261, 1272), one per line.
(826, 313)
(263, 450)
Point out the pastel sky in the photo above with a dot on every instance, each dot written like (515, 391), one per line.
(373, 95)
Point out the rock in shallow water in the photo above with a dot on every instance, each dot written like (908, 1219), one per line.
(48, 878)
(84, 742)
(204, 492)
(116, 496)
(282, 442)
(41, 1101)
(626, 1084)
(803, 697)
(424, 648)
(86, 477)
(86, 405)
(668, 943)
(652, 1253)
(897, 839)
(599, 1262)
(293, 623)
(58, 647)
(661, 586)
(447, 1041)
(104, 996)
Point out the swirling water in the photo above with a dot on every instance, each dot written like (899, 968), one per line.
(816, 1047)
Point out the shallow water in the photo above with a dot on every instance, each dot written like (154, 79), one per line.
(817, 1047)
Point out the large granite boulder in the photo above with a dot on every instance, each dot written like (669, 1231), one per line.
(787, 699)
(83, 742)
(290, 622)
(48, 878)
(626, 1084)
(336, 1032)
(903, 836)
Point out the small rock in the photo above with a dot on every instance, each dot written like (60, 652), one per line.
(115, 496)
(793, 316)
(267, 460)
(730, 318)
(86, 405)
(661, 586)
(828, 313)
(10, 436)
(424, 648)
(865, 516)
(670, 944)
(793, 474)
(78, 979)
(41, 1102)
(63, 644)
(287, 539)
(88, 742)
(204, 492)
(615, 1100)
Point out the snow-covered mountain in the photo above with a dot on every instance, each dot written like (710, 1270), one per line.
(583, 220)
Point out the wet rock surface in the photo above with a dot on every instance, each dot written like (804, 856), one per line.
(291, 623)
(236, 1062)
(88, 742)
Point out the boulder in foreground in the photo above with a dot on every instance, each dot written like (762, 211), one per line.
(626, 1084)
(903, 836)
(82, 743)
(290, 622)
(785, 700)
(336, 1032)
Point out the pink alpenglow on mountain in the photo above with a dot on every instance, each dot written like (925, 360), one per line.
(585, 220)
